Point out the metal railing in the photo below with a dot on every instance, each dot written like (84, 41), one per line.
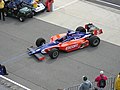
(109, 85)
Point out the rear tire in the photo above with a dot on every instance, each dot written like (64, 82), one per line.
(54, 53)
(40, 42)
(81, 29)
(94, 41)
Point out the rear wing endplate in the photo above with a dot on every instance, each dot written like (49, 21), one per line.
(93, 29)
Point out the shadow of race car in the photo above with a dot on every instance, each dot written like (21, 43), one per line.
(70, 41)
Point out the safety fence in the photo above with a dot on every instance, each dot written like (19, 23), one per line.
(109, 85)
(10, 84)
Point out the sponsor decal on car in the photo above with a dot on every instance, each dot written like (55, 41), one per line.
(71, 47)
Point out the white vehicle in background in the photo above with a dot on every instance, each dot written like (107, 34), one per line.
(38, 6)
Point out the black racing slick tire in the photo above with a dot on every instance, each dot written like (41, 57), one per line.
(54, 53)
(40, 41)
(94, 41)
(81, 29)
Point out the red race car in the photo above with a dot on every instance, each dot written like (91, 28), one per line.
(70, 41)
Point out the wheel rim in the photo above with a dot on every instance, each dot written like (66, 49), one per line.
(21, 19)
(55, 54)
(96, 42)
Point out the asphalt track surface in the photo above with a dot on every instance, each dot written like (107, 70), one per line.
(67, 70)
(113, 1)
(110, 3)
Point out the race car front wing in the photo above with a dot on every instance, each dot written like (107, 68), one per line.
(32, 52)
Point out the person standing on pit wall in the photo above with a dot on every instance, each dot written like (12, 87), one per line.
(49, 5)
(101, 81)
(2, 4)
(117, 82)
(86, 85)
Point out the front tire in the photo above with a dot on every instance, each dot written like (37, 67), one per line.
(22, 19)
(54, 53)
(40, 41)
(94, 41)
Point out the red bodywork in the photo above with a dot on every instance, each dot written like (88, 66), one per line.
(70, 45)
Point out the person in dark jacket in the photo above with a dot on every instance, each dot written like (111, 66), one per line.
(86, 85)
(3, 70)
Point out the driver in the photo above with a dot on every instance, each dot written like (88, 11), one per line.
(70, 35)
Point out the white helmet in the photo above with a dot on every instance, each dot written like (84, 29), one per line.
(101, 72)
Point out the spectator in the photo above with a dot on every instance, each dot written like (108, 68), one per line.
(86, 85)
(2, 4)
(3, 70)
(101, 81)
(117, 82)
(48, 4)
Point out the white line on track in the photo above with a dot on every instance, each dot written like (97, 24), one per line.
(14, 82)
(66, 5)
(108, 3)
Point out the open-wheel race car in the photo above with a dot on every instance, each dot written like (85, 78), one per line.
(70, 41)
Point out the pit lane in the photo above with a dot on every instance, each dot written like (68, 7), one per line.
(67, 70)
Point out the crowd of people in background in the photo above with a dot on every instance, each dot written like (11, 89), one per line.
(100, 82)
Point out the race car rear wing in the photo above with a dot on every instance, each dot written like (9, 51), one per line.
(93, 29)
